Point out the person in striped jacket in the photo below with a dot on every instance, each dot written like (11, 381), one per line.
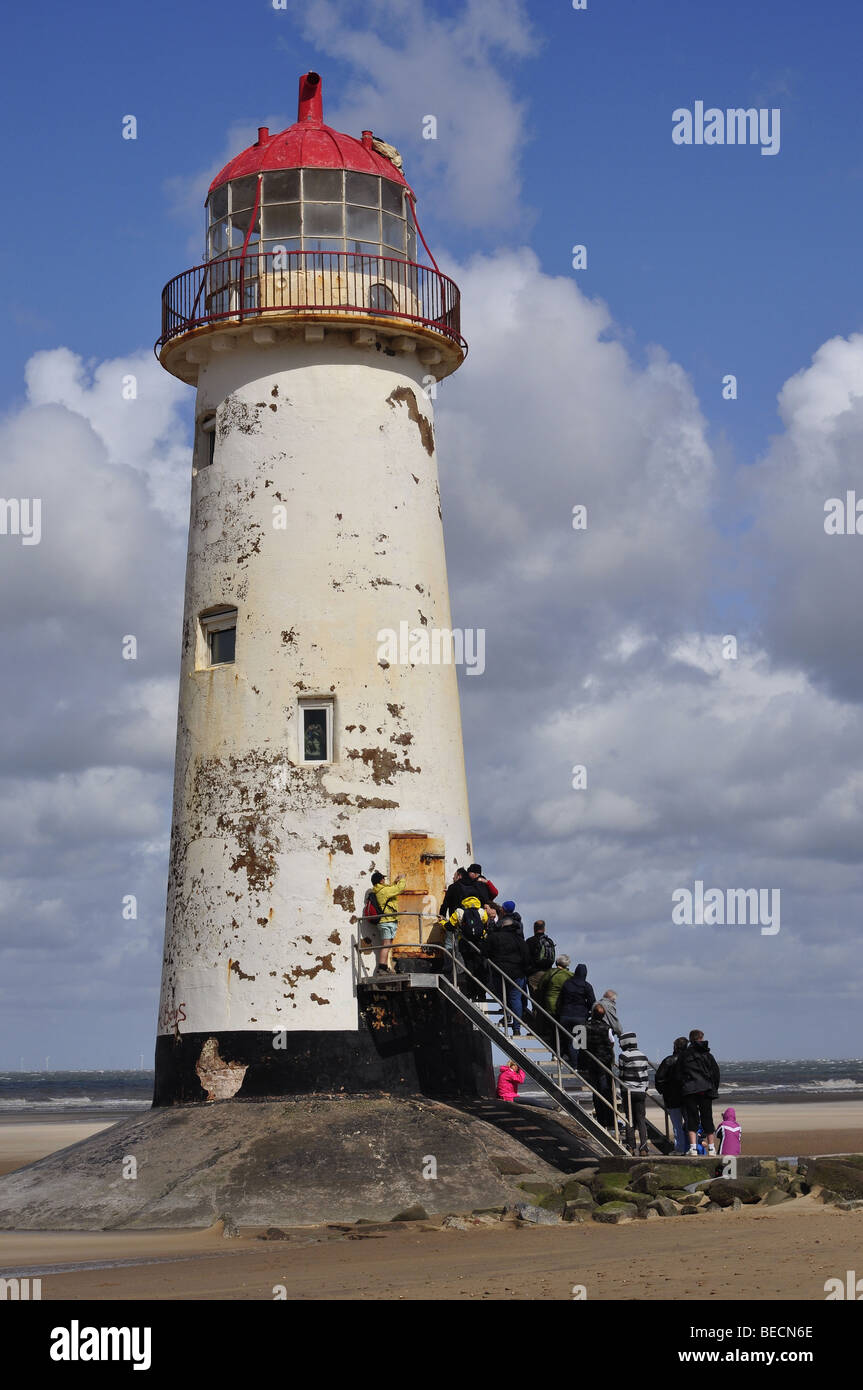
(634, 1073)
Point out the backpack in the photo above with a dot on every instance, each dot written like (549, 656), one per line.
(371, 910)
(546, 953)
(472, 926)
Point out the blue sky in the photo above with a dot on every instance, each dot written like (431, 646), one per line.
(601, 385)
(733, 261)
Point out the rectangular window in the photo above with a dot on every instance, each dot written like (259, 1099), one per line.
(205, 442)
(322, 185)
(316, 731)
(218, 645)
(282, 186)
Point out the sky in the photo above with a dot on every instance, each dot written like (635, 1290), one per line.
(735, 763)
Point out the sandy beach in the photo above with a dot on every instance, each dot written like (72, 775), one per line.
(784, 1252)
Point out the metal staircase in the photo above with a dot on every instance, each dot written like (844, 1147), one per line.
(543, 1062)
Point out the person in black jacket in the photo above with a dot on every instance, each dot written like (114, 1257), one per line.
(668, 1084)
(576, 1001)
(599, 1048)
(505, 948)
(699, 1085)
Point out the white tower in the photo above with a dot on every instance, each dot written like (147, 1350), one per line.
(305, 758)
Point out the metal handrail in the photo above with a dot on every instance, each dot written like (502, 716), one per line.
(459, 965)
(329, 283)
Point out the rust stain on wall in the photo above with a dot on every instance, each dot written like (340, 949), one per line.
(403, 395)
(344, 898)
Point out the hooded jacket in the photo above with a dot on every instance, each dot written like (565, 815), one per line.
(505, 947)
(668, 1081)
(728, 1133)
(633, 1067)
(699, 1070)
(576, 998)
(610, 1006)
(508, 1082)
(598, 1044)
(550, 986)
(387, 898)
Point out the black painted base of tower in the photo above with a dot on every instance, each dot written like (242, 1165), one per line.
(407, 1042)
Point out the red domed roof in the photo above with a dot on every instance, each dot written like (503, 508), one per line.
(309, 144)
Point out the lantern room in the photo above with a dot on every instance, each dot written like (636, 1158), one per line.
(307, 225)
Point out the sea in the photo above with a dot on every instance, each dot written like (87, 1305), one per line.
(72, 1093)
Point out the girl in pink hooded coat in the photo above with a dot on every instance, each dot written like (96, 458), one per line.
(511, 1077)
(728, 1133)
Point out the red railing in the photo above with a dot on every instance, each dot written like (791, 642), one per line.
(329, 283)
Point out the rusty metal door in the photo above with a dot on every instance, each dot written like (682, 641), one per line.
(420, 859)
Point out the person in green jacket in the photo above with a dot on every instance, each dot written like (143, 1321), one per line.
(548, 994)
(386, 896)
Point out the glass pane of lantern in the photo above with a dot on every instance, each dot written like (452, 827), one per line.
(391, 197)
(412, 242)
(282, 186)
(279, 251)
(240, 224)
(363, 223)
(243, 192)
(364, 189)
(281, 220)
(314, 735)
(324, 185)
(219, 237)
(322, 219)
(393, 232)
(219, 203)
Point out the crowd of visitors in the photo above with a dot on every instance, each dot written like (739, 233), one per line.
(542, 991)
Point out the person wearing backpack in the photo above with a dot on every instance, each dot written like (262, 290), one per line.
(386, 895)
(541, 955)
(548, 994)
(506, 949)
(599, 1049)
(469, 923)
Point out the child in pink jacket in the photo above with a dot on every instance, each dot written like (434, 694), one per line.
(511, 1077)
(728, 1133)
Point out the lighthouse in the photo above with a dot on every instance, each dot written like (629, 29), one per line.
(312, 750)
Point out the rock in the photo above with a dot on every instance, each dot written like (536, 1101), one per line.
(736, 1205)
(638, 1170)
(648, 1213)
(416, 1213)
(645, 1182)
(614, 1179)
(274, 1233)
(774, 1197)
(618, 1194)
(538, 1189)
(580, 1209)
(765, 1166)
(663, 1206)
(724, 1190)
(454, 1223)
(614, 1213)
(554, 1202)
(855, 1204)
(675, 1194)
(504, 1164)
(797, 1187)
(486, 1220)
(837, 1175)
(576, 1191)
(488, 1211)
(536, 1216)
(829, 1198)
(689, 1211)
(712, 1207)
(677, 1175)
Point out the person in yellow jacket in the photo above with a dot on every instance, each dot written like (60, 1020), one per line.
(386, 896)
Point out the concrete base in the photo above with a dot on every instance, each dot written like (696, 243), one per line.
(292, 1162)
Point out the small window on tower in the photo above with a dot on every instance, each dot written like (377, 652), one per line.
(316, 731)
(205, 441)
(218, 644)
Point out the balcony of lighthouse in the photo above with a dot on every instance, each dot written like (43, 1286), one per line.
(304, 253)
